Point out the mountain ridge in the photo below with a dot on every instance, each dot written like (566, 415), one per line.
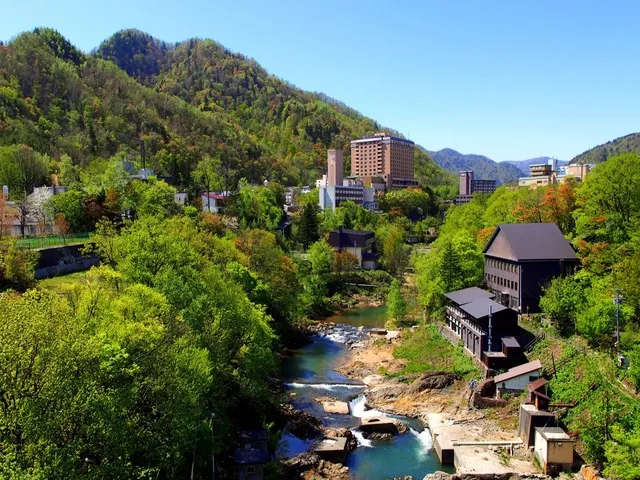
(600, 153)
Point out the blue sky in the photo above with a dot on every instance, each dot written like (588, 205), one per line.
(506, 79)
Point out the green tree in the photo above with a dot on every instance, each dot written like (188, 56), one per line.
(451, 271)
(257, 207)
(395, 253)
(308, 225)
(561, 300)
(22, 169)
(72, 206)
(396, 303)
(319, 275)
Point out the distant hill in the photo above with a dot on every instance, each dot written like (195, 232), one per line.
(483, 167)
(523, 165)
(628, 143)
(167, 106)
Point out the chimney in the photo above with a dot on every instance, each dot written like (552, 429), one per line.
(335, 162)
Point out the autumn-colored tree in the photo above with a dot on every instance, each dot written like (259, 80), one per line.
(62, 226)
(344, 263)
(558, 205)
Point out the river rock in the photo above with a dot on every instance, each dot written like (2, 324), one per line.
(378, 436)
(387, 391)
(431, 380)
(374, 379)
(340, 408)
(301, 424)
(294, 467)
(328, 471)
(400, 426)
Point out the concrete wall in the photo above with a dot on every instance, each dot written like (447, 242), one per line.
(62, 260)
(518, 383)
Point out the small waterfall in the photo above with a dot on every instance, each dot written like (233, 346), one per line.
(358, 409)
(362, 442)
(424, 437)
(330, 387)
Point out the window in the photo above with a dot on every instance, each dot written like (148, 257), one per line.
(533, 377)
(251, 469)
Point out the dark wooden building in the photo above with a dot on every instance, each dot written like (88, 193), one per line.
(521, 258)
(467, 317)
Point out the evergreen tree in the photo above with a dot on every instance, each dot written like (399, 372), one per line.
(308, 228)
(450, 270)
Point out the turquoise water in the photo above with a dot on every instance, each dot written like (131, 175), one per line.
(370, 317)
(309, 373)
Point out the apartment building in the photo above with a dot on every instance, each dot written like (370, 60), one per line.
(522, 258)
(470, 185)
(391, 158)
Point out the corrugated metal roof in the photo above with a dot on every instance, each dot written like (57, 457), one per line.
(480, 308)
(518, 371)
(534, 241)
(467, 295)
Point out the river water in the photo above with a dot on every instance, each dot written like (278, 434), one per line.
(309, 373)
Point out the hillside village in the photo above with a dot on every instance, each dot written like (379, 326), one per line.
(175, 303)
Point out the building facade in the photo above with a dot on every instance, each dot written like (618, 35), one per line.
(357, 242)
(335, 167)
(522, 258)
(470, 185)
(467, 318)
(391, 158)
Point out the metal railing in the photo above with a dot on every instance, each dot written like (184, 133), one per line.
(35, 243)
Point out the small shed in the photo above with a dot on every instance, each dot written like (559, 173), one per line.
(530, 418)
(516, 379)
(252, 455)
(553, 449)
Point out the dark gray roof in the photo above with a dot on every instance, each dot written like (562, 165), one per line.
(510, 342)
(534, 241)
(344, 237)
(250, 456)
(253, 435)
(480, 308)
(467, 295)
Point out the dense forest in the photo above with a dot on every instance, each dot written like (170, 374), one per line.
(167, 107)
(628, 143)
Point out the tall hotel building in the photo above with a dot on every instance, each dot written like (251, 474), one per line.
(384, 156)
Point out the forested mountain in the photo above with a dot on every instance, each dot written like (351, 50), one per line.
(169, 106)
(628, 143)
(523, 165)
(483, 167)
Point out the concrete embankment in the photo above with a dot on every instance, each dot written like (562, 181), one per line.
(63, 260)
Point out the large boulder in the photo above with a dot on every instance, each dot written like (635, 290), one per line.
(296, 466)
(299, 423)
(430, 381)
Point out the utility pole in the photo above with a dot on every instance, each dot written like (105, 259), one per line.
(490, 312)
(617, 300)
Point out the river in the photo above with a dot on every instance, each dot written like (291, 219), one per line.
(310, 372)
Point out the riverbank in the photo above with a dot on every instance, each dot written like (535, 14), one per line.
(440, 399)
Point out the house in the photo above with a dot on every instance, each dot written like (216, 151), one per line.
(516, 379)
(553, 449)
(252, 454)
(521, 258)
(213, 202)
(358, 242)
(181, 198)
(467, 318)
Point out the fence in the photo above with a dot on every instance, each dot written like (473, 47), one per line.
(34, 243)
